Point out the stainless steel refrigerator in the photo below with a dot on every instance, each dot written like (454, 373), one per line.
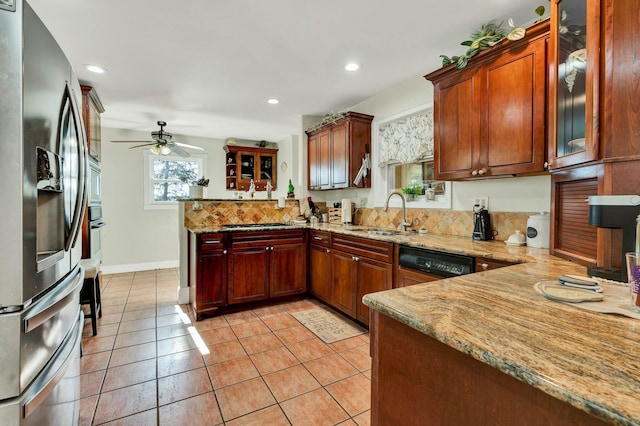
(43, 158)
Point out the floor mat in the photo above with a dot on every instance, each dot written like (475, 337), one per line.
(328, 325)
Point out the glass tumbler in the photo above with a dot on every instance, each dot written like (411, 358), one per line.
(633, 272)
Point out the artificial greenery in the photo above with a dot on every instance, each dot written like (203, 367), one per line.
(487, 36)
(330, 118)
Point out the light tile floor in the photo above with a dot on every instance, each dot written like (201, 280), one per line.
(150, 364)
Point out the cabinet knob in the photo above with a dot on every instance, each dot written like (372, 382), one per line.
(474, 173)
(482, 171)
(547, 165)
(354, 258)
(484, 266)
(224, 251)
(328, 251)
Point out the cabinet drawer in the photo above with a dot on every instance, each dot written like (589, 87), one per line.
(372, 249)
(321, 238)
(214, 241)
(252, 238)
(485, 264)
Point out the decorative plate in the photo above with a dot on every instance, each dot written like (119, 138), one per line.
(553, 291)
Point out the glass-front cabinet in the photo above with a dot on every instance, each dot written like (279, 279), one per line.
(245, 163)
(573, 82)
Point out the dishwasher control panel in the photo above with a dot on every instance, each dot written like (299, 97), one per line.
(435, 262)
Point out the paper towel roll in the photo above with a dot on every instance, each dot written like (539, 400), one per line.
(347, 209)
(281, 202)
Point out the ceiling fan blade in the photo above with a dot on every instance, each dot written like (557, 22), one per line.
(146, 144)
(185, 145)
(181, 152)
(133, 141)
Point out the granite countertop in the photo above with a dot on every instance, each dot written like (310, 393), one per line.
(590, 360)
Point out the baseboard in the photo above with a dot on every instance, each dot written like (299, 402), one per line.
(136, 267)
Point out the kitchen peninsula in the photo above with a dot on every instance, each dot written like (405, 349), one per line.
(487, 348)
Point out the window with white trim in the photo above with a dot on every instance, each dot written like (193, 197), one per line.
(167, 178)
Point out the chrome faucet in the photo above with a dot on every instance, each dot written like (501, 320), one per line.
(404, 223)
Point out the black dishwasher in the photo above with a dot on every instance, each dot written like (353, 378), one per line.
(439, 263)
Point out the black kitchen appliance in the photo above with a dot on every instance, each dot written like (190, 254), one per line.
(437, 263)
(481, 224)
(615, 211)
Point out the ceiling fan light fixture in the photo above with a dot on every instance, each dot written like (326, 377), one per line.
(155, 150)
(165, 150)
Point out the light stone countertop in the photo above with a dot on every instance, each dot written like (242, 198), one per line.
(589, 360)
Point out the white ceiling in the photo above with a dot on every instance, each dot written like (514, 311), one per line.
(207, 67)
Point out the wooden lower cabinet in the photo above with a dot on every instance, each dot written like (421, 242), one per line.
(418, 380)
(266, 264)
(372, 276)
(208, 273)
(353, 277)
(320, 272)
(248, 274)
(288, 269)
(343, 284)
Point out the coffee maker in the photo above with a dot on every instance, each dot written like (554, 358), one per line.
(481, 224)
(615, 211)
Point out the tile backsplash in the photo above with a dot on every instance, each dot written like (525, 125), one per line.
(214, 213)
(447, 222)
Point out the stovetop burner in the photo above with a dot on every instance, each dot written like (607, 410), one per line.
(253, 225)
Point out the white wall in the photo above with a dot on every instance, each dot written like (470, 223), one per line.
(520, 194)
(138, 239)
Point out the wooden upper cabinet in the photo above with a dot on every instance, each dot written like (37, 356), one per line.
(244, 163)
(336, 151)
(574, 67)
(619, 88)
(91, 110)
(490, 117)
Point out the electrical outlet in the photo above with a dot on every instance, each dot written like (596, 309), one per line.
(362, 202)
(482, 202)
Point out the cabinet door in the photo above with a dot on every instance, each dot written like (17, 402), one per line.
(373, 276)
(340, 156)
(574, 62)
(320, 275)
(288, 269)
(343, 283)
(248, 274)
(212, 280)
(457, 126)
(324, 159)
(515, 113)
(313, 162)
(267, 171)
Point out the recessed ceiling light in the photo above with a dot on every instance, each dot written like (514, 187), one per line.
(273, 101)
(352, 66)
(95, 68)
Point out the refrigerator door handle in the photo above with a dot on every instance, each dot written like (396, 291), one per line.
(54, 302)
(81, 198)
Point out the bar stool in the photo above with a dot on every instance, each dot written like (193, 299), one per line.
(90, 293)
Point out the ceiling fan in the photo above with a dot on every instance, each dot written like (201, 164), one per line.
(163, 145)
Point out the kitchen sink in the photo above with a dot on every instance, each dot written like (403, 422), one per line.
(376, 231)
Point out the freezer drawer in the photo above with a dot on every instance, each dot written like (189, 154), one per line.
(35, 333)
(53, 399)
